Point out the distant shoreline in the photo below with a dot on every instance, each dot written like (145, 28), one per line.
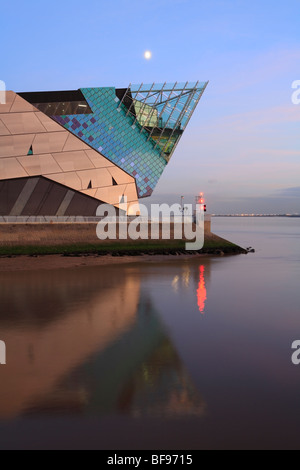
(290, 216)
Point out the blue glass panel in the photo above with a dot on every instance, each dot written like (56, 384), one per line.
(140, 134)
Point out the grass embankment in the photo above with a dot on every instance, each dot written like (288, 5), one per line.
(214, 245)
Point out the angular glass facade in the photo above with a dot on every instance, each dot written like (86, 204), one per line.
(136, 128)
(100, 144)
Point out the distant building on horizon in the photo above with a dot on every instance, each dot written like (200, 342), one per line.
(62, 153)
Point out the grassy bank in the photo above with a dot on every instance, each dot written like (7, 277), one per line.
(213, 245)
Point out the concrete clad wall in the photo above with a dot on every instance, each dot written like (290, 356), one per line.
(45, 199)
(9, 191)
(80, 205)
(32, 144)
(40, 196)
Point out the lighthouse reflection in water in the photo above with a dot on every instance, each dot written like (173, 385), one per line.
(184, 279)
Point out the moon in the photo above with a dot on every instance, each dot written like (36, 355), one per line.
(148, 55)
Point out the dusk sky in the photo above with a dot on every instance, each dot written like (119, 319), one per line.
(242, 145)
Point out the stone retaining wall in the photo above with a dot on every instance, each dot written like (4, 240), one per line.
(41, 234)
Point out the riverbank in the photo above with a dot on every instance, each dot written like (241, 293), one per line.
(49, 246)
(29, 257)
(213, 245)
(73, 234)
(52, 262)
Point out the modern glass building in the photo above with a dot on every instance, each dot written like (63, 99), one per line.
(65, 152)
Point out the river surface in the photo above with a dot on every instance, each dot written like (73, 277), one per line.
(182, 354)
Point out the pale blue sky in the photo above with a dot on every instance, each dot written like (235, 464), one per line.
(242, 146)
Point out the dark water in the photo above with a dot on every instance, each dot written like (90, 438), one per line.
(180, 355)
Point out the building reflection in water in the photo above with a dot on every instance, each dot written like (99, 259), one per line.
(88, 341)
(182, 281)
